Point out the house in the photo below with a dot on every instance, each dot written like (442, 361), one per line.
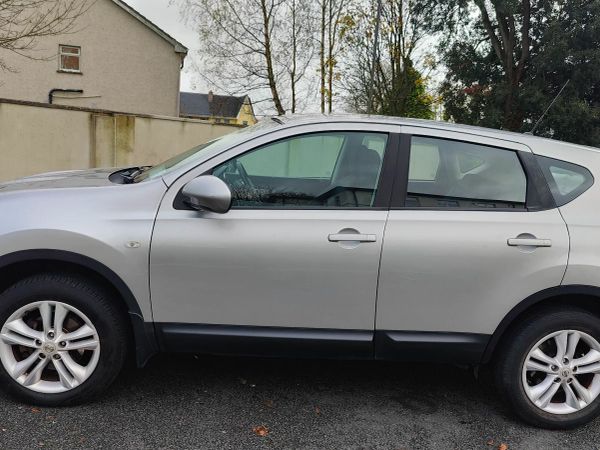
(114, 59)
(223, 109)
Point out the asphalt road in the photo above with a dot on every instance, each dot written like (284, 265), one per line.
(223, 403)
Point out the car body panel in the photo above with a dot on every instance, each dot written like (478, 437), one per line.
(452, 271)
(581, 214)
(265, 268)
(60, 180)
(92, 217)
(583, 222)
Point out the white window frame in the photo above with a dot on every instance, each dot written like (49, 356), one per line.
(61, 54)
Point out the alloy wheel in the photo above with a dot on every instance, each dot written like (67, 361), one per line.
(561, 373)
(49, 347)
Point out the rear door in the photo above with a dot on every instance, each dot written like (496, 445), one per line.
(472, 232)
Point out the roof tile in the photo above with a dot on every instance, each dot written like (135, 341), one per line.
(193, 104)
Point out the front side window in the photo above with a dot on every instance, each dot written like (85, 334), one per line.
(322, 170)
(452, 174)
(69, 58)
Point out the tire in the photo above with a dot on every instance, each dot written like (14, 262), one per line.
(545, 330)
(72, 303)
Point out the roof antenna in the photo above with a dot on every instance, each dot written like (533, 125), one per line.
(537, 124)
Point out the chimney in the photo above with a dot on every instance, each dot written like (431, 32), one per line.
(210, 96)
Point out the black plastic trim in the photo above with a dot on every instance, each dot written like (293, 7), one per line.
(388, 172)
(462, 348)
(265, 341)
(145, 342)
(423, 346)
(539, 195)
(537, 298)
(399, 194)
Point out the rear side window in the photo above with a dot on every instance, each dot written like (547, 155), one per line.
(567, 181)
(453, 174)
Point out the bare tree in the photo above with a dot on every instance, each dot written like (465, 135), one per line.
(301, 45)
(334, 25)
(322, 64)
(24, 22)
(252, 46)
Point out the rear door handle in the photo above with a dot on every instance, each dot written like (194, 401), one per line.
(529, 242)
(352, 237)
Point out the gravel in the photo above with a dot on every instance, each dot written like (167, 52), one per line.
(229, 403)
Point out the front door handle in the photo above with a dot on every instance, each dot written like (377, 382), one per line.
(529, 242)
(352, 237)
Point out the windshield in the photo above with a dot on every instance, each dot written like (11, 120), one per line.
(195, 154)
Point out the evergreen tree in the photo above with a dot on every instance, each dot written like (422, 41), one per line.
(507, 60)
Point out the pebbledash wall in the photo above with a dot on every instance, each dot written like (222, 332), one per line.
(37, 138)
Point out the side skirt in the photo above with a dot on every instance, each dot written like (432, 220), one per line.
(443, 347)
(462, 348)
(266, 341)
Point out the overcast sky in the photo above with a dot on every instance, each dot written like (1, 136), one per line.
(167, 17)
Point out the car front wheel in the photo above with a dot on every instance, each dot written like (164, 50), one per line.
(549, 368)
(62, 340)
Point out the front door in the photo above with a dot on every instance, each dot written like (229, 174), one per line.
(296, 258)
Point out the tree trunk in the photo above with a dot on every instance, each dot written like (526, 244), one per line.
(331, 42)
(322, 53)
(505, 48)
(269, 60)
(513, 115)
(294, 57)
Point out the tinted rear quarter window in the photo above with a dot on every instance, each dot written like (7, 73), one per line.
(567, 181)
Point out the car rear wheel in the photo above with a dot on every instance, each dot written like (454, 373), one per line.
(549, 368)
(62, 341)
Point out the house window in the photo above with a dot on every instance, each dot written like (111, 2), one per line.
(69, 58)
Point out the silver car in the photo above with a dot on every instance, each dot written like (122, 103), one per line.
(334, 237)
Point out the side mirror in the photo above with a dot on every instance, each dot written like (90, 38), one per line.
(208, 193)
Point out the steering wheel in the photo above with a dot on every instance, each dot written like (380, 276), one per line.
(242, 171)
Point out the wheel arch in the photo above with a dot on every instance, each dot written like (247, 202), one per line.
(583, 296)
(18, 265)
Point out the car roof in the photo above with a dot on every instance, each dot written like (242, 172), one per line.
(297, 119)
(534, 142)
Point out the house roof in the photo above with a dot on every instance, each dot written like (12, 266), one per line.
(192, 104)
(179, 47)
